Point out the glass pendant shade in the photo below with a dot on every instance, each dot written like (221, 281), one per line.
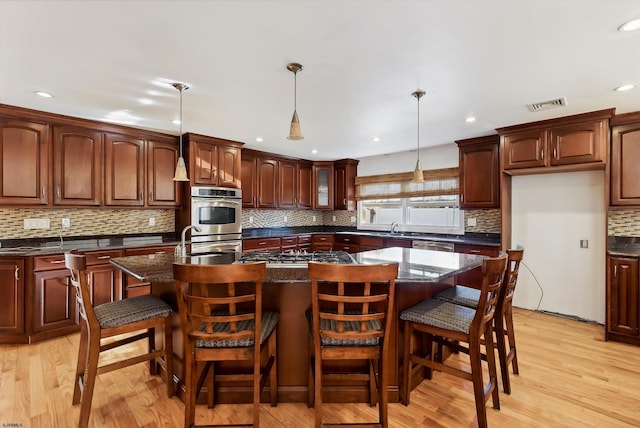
(418, 176)
(181, 168)
(294, 129)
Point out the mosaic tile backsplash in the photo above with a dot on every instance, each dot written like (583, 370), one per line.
(292, 218)
(85, 222)
(487, 221)
(624, 223)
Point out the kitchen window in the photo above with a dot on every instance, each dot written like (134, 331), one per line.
(429, 207)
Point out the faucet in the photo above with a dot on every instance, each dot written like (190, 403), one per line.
(394, 227)
(181, 248)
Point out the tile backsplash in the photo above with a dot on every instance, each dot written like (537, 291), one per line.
(85, 222)
(487, 221)
(624, 223)
(296, 218)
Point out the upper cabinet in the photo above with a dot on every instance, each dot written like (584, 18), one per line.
(323, 189)
(162, 157)
(213, 161)
(625, 158)
(267, 173)
(249, 176)
(569, 143)
(77, 166)
(24, 159)
(479, 166)
(345, 172)
(287, 184)
(124, 170)
(305, 184)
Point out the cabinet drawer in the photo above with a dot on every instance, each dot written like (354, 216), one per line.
(101, 257)
(289, 241)
(54, 261)
(149, 250)
(349, 248)
(371, 241)
(322, 238)
(304, 239)
(346, 239)
(477, 249)
(261, 244)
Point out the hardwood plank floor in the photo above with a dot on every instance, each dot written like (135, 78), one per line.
(570, 377)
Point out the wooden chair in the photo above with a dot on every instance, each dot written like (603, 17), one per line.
(503, 320)
(350, 319)
(113, 319)
(439, 319)
(222, 319)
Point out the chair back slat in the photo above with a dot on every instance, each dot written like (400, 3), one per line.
(511, 277)
(493, 270)
(220, 302)
(77, 265)
(354, 300)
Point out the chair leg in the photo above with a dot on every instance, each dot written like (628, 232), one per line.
(210, 367)
(502, 354)
(190, 381)
(151, 338)
(383, 389)
(317, 387)
(168, 356)
(310, 382)
(406, 363)
(89, 377)
(372, 384)
(273, 375)
(475, 357)
(256, 387)
(491, 362)
(513, 354)
(81, 364)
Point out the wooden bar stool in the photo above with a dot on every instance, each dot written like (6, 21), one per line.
(443, 321)
(222, 320)
(503, 320)
(351, 307)
(112, 319)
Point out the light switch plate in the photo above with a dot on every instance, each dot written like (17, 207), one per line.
(66, 223)
(471, 222)
(37, 223)
(152, 221)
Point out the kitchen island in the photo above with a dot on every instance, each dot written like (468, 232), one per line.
(422, 273)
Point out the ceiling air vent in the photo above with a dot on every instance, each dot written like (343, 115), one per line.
(546, 105)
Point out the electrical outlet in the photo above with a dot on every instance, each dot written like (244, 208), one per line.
(37, 223)
(471, 222)
(285, 219)
(333, 218)
(584, 243)
(250, 219)
(314, 218)
(152, 221)
(66, 223)
(353, 219)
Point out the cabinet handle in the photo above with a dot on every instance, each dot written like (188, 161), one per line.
(16, 273)
(461, 197)
(141, 196)
(542, 154)
(151, 196)
(474, 251)
(44, 192)
(344, 201)
(56, 262)
(58, 192)
(103, 257)
(615, 271)
(555, 153)
(262, 243)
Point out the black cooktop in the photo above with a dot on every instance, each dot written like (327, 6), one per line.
(297, 257)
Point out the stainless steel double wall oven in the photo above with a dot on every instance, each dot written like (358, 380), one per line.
(217, 213)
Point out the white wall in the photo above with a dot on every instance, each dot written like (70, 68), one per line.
(444, 156)
(551, 213)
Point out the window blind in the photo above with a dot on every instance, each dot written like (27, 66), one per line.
(437, 182)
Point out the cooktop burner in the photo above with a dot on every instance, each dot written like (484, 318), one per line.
(296, 258)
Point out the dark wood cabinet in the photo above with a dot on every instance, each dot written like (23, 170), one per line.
(623, 300)
(162, 157)
(213, 161)
(124, 170)
(479, 172)
(304, 242)
(132, 286)
(346, 242)
(322, 242)
(368, 243)
(53, 308)
(77, 166)
(345, 172)
(305, 184)
(323, 189)
(289, 243)
(249, 180)
(625, 158)
(24, 160)
(105, 280)
(12, 297)
(576, 142)
(287, 184)
(267, 173)
(397, 242)
(261, 244)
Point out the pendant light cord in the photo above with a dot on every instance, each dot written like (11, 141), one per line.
(418, 129)
(295, 91)
(181, 89)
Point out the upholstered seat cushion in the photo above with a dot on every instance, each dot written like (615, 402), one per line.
(126, 311)
(460, 295)
(439, 313)
(332, 325)
(269, 322)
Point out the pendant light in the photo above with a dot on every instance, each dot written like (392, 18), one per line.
(294, 130)
(418, 177)
(181, 168)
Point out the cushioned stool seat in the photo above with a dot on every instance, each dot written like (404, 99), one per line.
(460, 295)
(440, 314)
(121, 312)
(269, 323)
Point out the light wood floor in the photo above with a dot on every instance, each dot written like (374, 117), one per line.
(569, 377)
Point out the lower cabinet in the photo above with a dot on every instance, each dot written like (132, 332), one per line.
(105, 280)
(260, 244)
(346, 242)
(12, 298)
(132, 286)
(368, 243)
(322, 242)
(623, 300)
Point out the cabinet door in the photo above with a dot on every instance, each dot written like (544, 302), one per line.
(578, 143)
(267, 183)
(625, 158)
(124, 170)
(54, 301)
(479, 167)
(228, 167)
(305, 185)
(162, 157)
(287, 184)
(77, 166)
(249, 182)
(623, 296)
(323, 186)
(525, 149)
(205, 163)
(12, 296)
(24, 159)
(105, 284)
(344, 184)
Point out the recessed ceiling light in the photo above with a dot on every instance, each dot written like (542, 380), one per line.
(622, 88)
(314, 151)
(470, 119)
(44, 94)
(176, 121)
(259, 139)
(375, 139)
(632, 25)
(145, 101)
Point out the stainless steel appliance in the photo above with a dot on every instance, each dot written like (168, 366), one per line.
(216, 214)
(448, 247)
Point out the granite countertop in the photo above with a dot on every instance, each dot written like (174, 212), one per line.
(623, 246)
(415, 265)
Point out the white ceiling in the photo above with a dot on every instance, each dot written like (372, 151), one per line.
(362, 60)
